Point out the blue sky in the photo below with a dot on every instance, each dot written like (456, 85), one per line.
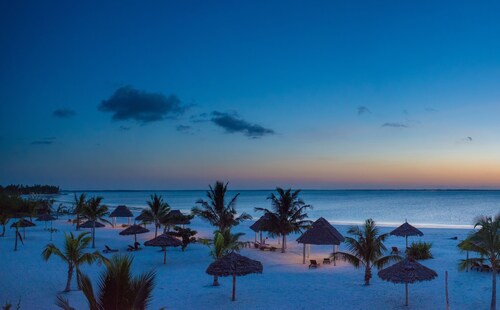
(173, 95)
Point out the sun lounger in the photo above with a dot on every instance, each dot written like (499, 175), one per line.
(395, 251)
(475, 266)
(313, 264)
(107, 249)
(486, 268)
(327, 260)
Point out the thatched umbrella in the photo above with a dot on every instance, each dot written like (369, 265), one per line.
(23, 223)
(121, 211)
(407, 271)
(234, 264)
(262, 224)
(406, 230)
(47, 218)
(320, 233)
(90, 224)
(163, 241)
(134, 230)
(177, 218)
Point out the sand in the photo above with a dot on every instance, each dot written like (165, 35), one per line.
(285, 283)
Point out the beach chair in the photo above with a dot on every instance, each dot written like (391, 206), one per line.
(273, 249)
(475, 266)
(107, 249)
(313, 264)
(486, 268)
(395, 251)
(327, 261)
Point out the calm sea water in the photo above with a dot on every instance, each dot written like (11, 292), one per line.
(427, 208)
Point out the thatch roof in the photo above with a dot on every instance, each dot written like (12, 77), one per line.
(90, 224)
(121, 211)
(406, 230)
(321, 233)
(262, 224)
(140, 217)
(407, 271)
(234, 264)
(178, 218)
(134, 230)
(23, 223)
(164, 240)
(45, 218)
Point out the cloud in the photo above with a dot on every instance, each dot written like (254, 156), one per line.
(199, 118)
(128, 103)
(63, 113)
(467, 139)
(42, 142)
(363, 110)
(395, 125)
(232, 123)
(125, 128)
(184, 129)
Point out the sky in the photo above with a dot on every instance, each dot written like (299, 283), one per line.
(303, 94)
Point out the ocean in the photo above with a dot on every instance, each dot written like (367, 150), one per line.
(427, 208)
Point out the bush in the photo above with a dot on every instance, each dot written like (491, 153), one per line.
(420, 250)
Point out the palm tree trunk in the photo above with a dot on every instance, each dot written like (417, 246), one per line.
(234, 287)
(15, 244)
(283, 244)
(70, 276)
(78, 278)
(216, 281)
(77, 222)
(93, 236)
(368, 274)
(494, 289)
(156, 230)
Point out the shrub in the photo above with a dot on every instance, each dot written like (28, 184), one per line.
(420, 250)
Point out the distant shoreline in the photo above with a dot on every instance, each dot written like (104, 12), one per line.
(272, 189)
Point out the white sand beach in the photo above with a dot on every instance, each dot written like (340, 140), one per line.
(284, 284)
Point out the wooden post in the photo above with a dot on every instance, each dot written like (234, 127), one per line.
(304, 255)
(446, 286)
(234, 287)
(308, 250)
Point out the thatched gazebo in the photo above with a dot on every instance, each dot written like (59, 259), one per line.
(134, 230)
(177, 218)
(262, 224)
(406, 230)
(90, 224)
(121, 211)
(22, 223)
(407, 271)
(47, 218)
(320, 233)
(234, 264)
(163, 241)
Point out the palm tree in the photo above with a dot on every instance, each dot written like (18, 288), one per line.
(215, 210)
(79, 206)
(224, 242)
(73, 254)
(118, 289)
(158, 209)
(287, 214)
(366, 249)
(486, 242)
(93, 210)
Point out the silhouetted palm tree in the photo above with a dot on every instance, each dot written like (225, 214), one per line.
(366, 249)
(486, 242)
(118, 289)
(224, 242)
(287, 214)
(158, 209)
(73, 254)
(216, 211)
(79, 206)
(93, 210)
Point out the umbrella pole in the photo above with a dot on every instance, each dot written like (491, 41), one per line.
(304, 254)
(406, 289)
(234, 287)
(50, 230)
(165, 256)
(135, 239)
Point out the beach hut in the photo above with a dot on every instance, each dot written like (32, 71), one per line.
(163, 241)
(121, 211)
(134, 230)
(47, 218)
(320, 233)
(234, 265)
(407, 271)
(262, 224)
(406, 230)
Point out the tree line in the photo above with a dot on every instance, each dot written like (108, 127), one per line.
(18, 189)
